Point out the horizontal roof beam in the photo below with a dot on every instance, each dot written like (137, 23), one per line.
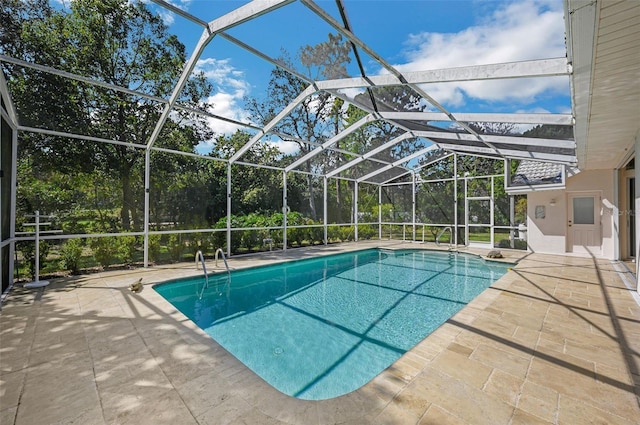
(398, 162)
(271, 124)
(510, 140)
(369, 154)
(550, 119)
(245, 13)
(76, 77)
(180, 12)
(525, 69)
(509, 153)
(335, 139)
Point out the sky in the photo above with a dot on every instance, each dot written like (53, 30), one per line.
(411, 35)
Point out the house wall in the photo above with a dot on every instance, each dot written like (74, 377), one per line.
(549, 234)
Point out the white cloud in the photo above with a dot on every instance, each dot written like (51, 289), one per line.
(527, 30)
(230, 88)
(167, 16)
(286, 148)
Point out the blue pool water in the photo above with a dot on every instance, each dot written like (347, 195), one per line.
(319, 328)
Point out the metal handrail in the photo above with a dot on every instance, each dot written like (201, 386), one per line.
(442, 233)
(219, 250)
(200, 256)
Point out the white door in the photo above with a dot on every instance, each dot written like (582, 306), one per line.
(583, 231)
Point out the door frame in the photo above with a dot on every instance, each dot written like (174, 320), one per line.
(467, 223)
(597, 207)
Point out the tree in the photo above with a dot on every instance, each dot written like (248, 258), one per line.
(316, 119)
(112, 41)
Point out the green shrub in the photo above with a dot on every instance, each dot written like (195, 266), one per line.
(249, 239)
(29, 252)
(176, 247)
(127, 248)
(71, 252)
(105, 250)
(316, 234)
(154, 247)
(346, 233)
(333, 233)
(366, 231)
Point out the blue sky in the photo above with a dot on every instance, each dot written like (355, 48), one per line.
(411, 35)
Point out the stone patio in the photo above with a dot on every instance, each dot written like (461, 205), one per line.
(554, 341)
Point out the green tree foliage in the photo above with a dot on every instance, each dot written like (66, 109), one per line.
(115, 42)
(317, 118)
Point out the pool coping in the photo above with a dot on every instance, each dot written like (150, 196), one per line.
(178, 371)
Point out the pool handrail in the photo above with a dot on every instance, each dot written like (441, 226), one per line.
(442, 233)
(219, 250)
(200, 256)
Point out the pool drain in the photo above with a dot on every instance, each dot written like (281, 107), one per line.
(277, 351)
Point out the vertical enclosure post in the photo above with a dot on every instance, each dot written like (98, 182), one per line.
(229, 210)
(413, 205)
(355, 211)
(13, 206)
(466, 214)
(147, 206)
(380, 212)
(325, 212)
(512, 221)
(285, 208)
(491, 219)
(455, 199)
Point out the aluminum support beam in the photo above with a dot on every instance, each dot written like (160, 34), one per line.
(76, 77)
(371, 153)
(79, 137)
(147, 205)
(183, 13)
(551, 119)
(335, 139)
(508, 153)
(325, 211)
(401, 78)
(8, 101)
(236, 17)
(228, 209)
(398, 162)
(204, 40)
(355, 211)
(510, 140)
(508, 70)
(413, 205)
(285, 208)
(455, 200)
(290, 107)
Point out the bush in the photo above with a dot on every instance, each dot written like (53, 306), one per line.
(249, 239)
(346, 233)
(176, 247)
(127, 248)
(366, 231)
(71, 252)
(29, 253)
(518, 244)
(105, 250)
(316, 234)
(154, 247)
(333, 233)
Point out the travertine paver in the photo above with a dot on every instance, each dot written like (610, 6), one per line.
(555, 341)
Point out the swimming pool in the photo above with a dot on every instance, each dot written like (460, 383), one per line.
(319, 328)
